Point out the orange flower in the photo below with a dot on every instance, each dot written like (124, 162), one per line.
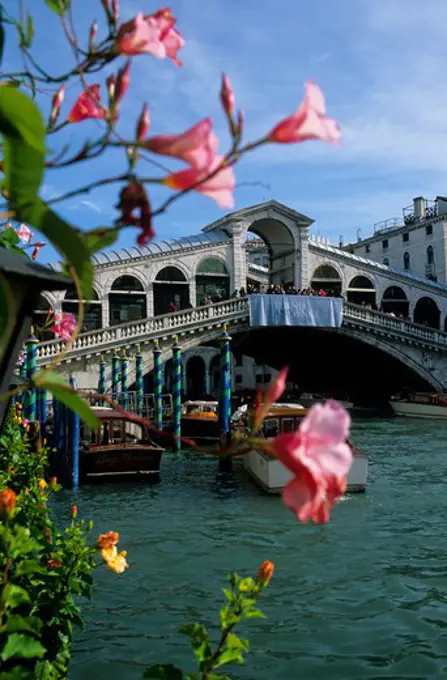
(42, 484)
(265, 572)
(8, 501)
(54, 563)
(74, 511)
(108, 540)
(115, 561)
(53, 481)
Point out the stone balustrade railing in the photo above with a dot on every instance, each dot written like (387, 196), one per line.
(218, 313)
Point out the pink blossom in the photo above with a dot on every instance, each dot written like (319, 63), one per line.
(24, 233)
(219, 187)
(227, 96)
(64, 325)
(37, 247)
(197, 146)
(87, 105)
(277, 386)
(143, 123)
(122, 81)
(152, 34)
(21, 358)
(25, 422)
(320, 459)
(308, 122)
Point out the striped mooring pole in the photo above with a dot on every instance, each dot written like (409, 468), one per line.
(73, 443)
(102, 376)
(115, 376)
(31, 359)
(139, 380)
(176, 391)
(124, 379)
(225, 382)
(158, 386)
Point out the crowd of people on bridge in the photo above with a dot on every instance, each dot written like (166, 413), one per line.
(285, 289)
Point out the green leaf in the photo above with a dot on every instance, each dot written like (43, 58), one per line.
(67, 240)
(200, 640)
(58, 6)
(253, 614)
(27, 567)
(18, 673)
(7, 306)
(13, 596)
(10, 236)
(29, 31)
(60, 389)
(163, 672)
(246, 585)
(229, 656)
(2, 34)
(235, 642)
(99, 238)
(20, 118)
(20, 646)
(21, 624)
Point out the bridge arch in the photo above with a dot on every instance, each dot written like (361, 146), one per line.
(327, 276)
(395, 301)
(281, 245)
(170, 287)
(127, 299)
(196, 382)
(361, 290)
(92, 308)
(212, 279)
(426, 312)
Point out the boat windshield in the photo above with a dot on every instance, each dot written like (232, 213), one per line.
(114, 432)
(199, 408)
(271, 427)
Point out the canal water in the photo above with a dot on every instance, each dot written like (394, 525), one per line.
(363, 597)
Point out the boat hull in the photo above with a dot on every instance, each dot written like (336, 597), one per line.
(102, 463)
(411, 409)
(271, 475)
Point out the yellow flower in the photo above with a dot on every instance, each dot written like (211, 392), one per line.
(42, 484)
(114, 560)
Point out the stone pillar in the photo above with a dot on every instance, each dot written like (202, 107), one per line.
(239, 273)
(105, 311)
(150, 300)
(302, 274)
(192, 291)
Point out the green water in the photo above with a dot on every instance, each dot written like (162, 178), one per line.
(364, 597)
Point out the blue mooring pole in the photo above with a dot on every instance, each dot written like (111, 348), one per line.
(177, 391)
(139, 380)
(73, 430)
(124, 380)
(158, 386)
(225, 382)
(115, 376)
(102, 376)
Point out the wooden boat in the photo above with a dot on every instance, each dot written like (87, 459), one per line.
(420, 405)
(200, 422)
(271, 475)
(121, 448)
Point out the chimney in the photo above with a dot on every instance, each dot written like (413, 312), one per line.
(419, 207)
(359, 231)
(340, 241)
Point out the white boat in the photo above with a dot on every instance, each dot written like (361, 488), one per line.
(271, 475)
(421, 405)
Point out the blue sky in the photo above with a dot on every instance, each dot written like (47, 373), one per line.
(382, 65)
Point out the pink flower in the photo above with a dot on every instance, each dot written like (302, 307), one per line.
(277, 386)
(24, 422)
(37, 247)
(24, 233)
(122, 82)
(319, 457)
(143, 123)
(64, 325)
(21, 358)
(227, 96)
(220, 187)
(87, 105)
(197, 146)
(308, 122)
(152, 34)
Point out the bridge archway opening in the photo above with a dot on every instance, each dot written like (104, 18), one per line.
(361, 291)
(92, 309)
(426, 313)
(212, 281)
(170, 289)
(215, 374)
(258, 261)
(40, 315)
(195, 377)
(127, 300)
(281, 249)
(395, 301)
(327, 278)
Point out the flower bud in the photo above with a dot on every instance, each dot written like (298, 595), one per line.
(122, 82)
(89, 525)
(265, 572)
(143, 124)
(227, 96)
(111, 85)
(74, 511)
(8, 499)
(115, 11)
(92, 35)
(53, 481)
(240, 123)
(42, 484)
(56, 104)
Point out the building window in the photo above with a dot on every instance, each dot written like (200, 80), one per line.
(367, 248)
(259, 378)
(429, 229)
(385, 243)
(406, 262)
(238, 379)
(430, 255)
(406, 237)
(386, 262)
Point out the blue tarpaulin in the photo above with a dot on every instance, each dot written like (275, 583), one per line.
(295, 310)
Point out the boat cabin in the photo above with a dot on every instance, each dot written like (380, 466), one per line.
(281, 419)
(115, 429)
(200, 409)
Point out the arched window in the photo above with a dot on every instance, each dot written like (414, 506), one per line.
(361, 291)
(426, 312)
(127, 300)
(212, 281)
(386, 262)
(171, 291)
(395, 301)
(327, 278)
(406, 262)
(430, 255)
(92, 309)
